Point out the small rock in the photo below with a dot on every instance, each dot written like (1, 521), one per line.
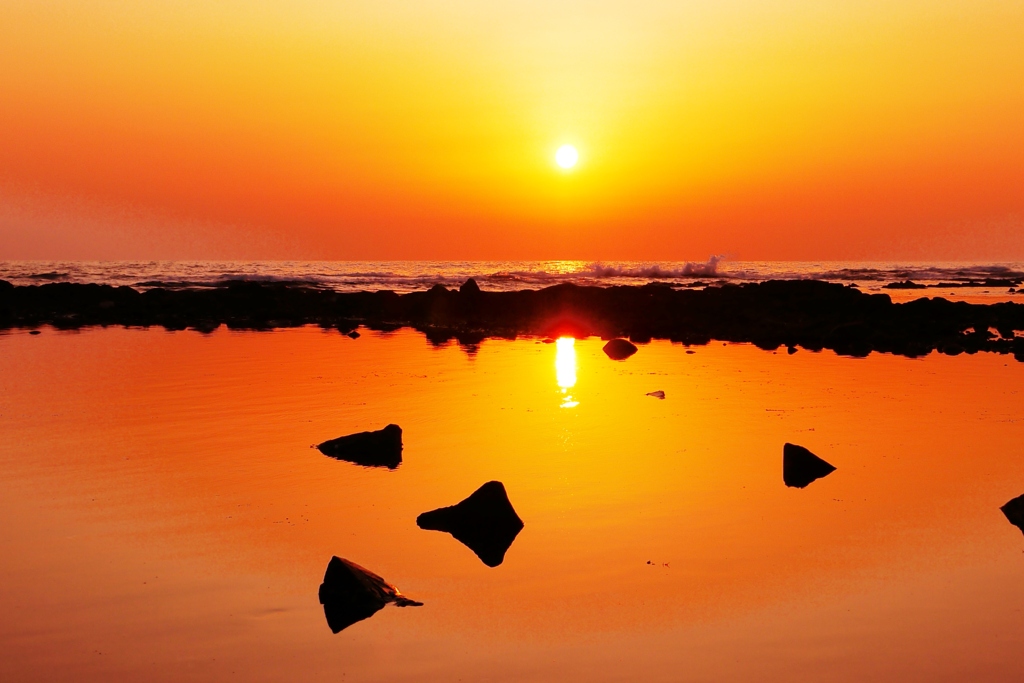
(657, 394)
(382, 448)
(353, 335)
(906, 284)
(469, 287)
(485, 522)
(800, 467)
(1014, 511)
(351, 593)
(619, 349)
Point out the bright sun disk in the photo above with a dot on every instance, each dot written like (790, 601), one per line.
(567, 156)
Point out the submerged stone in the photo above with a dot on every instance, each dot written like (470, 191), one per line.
(800, 467)
(382, 448)
(1014, 511)
(485, 522)
(351, 593)
(619, 349)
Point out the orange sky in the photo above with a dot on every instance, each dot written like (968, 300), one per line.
(793, 129)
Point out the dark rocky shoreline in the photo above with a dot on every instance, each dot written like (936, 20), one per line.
(805, 314)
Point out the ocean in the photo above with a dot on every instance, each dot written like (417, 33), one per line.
(976, 281)
(714, 511)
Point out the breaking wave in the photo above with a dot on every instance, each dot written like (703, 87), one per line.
(658, 271)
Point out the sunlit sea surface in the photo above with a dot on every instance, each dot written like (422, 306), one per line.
(165, 519)
(407, 276)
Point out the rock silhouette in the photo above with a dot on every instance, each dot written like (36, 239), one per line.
(382, 448)
(656, 394)
(351, 593)
(800, 467)
(485, 522)
(811, 314)
(1014, 511)
(619, 349)
(906, 284)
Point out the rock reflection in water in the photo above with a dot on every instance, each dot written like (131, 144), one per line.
(485, 522)
(351, 593)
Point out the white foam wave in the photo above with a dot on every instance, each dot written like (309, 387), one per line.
(657, 271)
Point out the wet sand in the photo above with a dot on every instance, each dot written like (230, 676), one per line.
(166, 517)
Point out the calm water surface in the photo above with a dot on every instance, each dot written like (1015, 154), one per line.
(165, 519)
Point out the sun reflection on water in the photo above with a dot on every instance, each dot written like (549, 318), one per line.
(565, 369)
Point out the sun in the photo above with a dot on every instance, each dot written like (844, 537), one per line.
(567, 156)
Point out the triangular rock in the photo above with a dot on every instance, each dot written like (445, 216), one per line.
(351, 593)
(619, 349)
(382, 448)
(485, 522)
(800, 467)
(1014, 511)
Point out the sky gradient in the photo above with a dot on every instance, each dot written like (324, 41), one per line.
(420, 129)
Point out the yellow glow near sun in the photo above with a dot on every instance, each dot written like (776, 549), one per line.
(567, 156)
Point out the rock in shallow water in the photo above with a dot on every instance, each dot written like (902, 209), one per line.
(1014, 511)
(656, 394)
(619, 349)
(382, 448)
(351, 593)
(800, 467)
(485, 522)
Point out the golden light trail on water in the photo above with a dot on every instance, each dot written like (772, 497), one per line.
(565, 369)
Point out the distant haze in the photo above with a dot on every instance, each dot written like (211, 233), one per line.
(411, 129)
